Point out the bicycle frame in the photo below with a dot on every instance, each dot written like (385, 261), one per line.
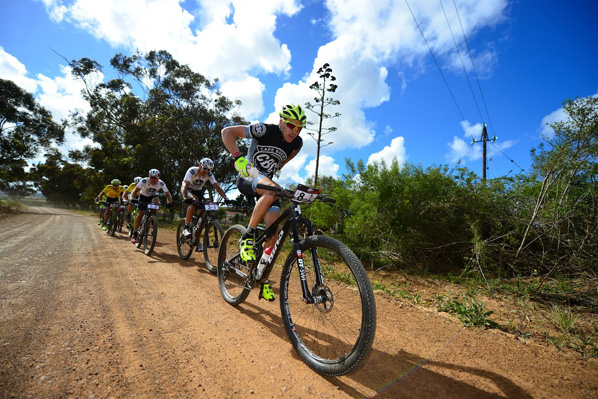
(290, 217)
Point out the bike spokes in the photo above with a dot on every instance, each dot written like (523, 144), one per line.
(334, 334)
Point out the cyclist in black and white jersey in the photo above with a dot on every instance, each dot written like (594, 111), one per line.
(147, 189)
(193, 187)
(272, 146)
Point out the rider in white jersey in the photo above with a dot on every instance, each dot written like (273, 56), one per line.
(193, 186)
(148, 189)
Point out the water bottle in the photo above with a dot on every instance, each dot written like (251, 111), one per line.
(263, 262)
(252, 171)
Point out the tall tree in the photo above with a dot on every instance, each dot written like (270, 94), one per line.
(173, 122)
(322, 87)
(564, 217)
(61, 182)
(25, 129)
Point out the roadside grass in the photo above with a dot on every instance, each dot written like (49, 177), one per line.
(8, 206)
(561, 312)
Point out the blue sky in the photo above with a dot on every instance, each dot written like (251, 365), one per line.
(529, 56)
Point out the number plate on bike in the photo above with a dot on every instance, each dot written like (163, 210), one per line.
(114, 205)
(153, 206)
(211, 207)
(305, 194)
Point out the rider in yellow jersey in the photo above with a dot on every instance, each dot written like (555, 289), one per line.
(102, 207)
(126, 195)
(113, 193)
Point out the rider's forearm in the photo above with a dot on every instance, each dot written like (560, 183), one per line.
(229, 139)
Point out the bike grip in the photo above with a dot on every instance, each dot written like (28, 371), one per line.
(188, 200)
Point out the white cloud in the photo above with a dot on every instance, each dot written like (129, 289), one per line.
(59, 95)
(249, 91)
(12, 69)
(62, 94)
(327, 167)
(236, 42)
(396, 150)
(555, 116)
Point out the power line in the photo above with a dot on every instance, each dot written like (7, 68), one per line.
(462, 63)
(436, 62)
(506, 156)
(473, 67)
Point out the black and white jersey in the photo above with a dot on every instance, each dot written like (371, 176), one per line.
(196, 182)
(268, 150)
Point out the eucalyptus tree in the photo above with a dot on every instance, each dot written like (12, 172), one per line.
(26, 128)
(159, 114)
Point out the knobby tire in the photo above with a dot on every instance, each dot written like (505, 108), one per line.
(184, 245)
(330, 337)
(232, 286)
(213, 234)
(151, 234)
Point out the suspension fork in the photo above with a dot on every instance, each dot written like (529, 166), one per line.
(294, 217)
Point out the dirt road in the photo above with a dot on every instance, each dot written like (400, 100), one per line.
(85, 315)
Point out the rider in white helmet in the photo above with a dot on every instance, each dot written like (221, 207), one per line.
(148, 188)
(193, 187)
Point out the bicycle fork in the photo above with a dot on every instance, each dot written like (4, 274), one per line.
(323, 294)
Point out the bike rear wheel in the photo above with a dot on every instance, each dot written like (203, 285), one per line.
(151, 233)
(332, 337)
(212, 237)
(184, 244)
(233, 273)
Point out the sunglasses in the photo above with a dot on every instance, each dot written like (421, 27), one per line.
(293, 126)
(153, 177)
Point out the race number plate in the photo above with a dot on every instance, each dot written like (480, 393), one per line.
(305, 195)
(211, 207)
(153, 206)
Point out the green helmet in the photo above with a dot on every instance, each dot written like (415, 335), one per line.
(291, 111)
(115, 182)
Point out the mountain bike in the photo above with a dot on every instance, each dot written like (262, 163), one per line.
(148, 228)
(113, 217)
(326, 298)
(131, 223)
(212, 234)
(121, 217)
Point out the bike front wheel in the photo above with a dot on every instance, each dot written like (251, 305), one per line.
(183, 244)
(112, 226)
(151, 233)
(233, 273)
(212, 237)
(334, 335)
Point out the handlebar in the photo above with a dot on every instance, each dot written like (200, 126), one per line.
(191, 201)
(136, 201)
(283, 193)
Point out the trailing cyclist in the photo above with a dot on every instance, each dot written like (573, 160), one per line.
(102, 208)
(113, 192)
(147, 189)
(272, 147)
(126, 198)
(193, 187)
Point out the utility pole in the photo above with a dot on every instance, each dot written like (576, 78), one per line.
(484, 139)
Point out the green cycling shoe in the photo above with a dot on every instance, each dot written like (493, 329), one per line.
(266, 292)
(247, 253)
